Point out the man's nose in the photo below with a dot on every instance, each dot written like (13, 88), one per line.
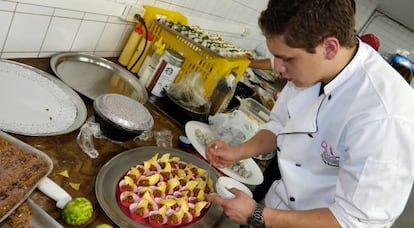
(278, 65)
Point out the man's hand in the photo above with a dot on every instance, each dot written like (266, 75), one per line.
(220, 154)
(237, 209)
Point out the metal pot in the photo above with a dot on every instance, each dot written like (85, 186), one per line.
(121, 118)
(194, 113)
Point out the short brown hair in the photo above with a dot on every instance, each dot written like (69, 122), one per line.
(305, 23)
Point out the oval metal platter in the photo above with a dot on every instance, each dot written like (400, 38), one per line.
(36, 103)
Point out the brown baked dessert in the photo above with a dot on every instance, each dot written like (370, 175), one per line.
(20, 218)
(20, 172)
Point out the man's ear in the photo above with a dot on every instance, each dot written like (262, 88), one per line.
(331, 47)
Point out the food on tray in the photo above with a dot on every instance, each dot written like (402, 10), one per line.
(20, 172)
(239, 167)
(20, 217)
(211, 41)
(203, 138)
(77, 211)
(165, 191)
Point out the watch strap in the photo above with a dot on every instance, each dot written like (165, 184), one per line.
(256, 220)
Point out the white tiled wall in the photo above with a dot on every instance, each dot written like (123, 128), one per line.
(28, 30)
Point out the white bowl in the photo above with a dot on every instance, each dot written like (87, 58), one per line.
(225, 183)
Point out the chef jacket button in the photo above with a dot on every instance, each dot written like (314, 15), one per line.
(310, 135)
(298, 165)
(278, 149)
(329, 97)
(292, 199)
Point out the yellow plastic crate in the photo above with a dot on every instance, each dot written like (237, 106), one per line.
(210, 64)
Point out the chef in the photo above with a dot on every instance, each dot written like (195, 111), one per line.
(343, 126)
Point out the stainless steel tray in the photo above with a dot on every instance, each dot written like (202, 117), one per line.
(93, 76)
(29, 149)
(112, 171)
(41, 218)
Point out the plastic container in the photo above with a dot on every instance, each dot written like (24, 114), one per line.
(155, 46)
(222, 94)
(242, 91)
(121, 118)
(165, 72)
(137, 58)
(131, 45)
(148, 68)
(255, 110)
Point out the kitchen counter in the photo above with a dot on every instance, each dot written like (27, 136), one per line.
(67, 155)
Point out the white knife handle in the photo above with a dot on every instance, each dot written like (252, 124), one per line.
(54, 191)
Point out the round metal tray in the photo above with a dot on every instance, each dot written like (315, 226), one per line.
(93, 76)
(112, 171)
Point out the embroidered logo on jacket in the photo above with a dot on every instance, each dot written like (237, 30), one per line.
(328, 156)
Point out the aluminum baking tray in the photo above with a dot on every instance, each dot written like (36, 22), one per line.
(29, 149)
(93, 76)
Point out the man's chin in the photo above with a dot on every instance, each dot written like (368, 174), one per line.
(299, 84)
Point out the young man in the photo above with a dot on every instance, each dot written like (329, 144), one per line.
(343, 126)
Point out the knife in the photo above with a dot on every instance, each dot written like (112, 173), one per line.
(41, 218)
(54, 191)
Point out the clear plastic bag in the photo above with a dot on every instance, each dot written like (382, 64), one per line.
(189, 90)
(90, 130)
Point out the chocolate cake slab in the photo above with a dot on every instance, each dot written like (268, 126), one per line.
(22, 167)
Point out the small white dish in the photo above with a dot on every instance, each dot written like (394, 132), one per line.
(225, 183)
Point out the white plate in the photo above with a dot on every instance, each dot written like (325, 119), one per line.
(37, 103)
(257, 175)
(223, 185)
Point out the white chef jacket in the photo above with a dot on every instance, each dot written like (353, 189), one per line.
(350, 149)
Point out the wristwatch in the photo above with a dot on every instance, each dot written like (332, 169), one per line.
(256, 220)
